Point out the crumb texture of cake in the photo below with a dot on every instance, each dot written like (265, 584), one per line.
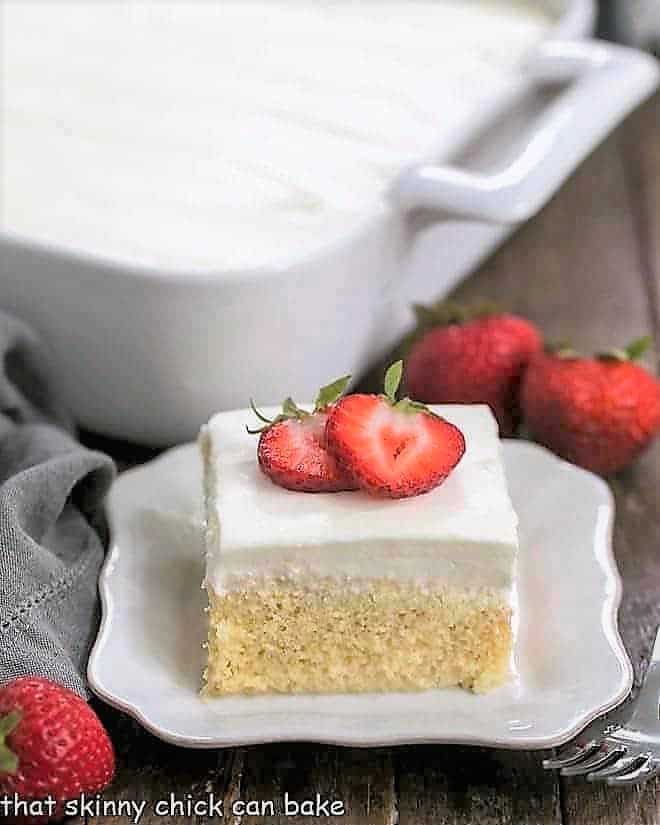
(329, 639)
(344, 592)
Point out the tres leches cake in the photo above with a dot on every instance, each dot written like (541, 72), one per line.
(369, 545)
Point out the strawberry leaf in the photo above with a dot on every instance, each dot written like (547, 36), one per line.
(632, 352)
(410, 407)
(8, 759)
(393, 380)
(445, 313)
(331, 393)
(291, 410)
(638, 348)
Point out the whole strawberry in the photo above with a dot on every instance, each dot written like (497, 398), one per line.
(599, 413)
(52, 745)
(292, 447)
(471, 358)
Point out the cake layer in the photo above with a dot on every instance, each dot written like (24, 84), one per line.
(463, 532)
(286, 638)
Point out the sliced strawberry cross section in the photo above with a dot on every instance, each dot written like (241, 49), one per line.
(293, 454)
(292, 447)
(391, 448)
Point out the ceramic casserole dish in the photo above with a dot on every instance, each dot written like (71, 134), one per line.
(147, 354)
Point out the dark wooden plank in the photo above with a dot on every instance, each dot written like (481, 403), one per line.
(458, 785)
(359, 782)
(601, 805)
(150, 770)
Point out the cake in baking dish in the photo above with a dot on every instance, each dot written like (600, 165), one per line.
(350, 591)
(237, 134)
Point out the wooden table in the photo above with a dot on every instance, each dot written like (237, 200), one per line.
(586, 269)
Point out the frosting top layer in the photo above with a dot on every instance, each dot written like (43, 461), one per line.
(237, 134)
(465, 530)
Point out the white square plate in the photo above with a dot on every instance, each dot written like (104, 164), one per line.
(570, 662)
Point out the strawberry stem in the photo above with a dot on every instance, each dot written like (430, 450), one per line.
(267, 422)
(8, 759)
(259, 415)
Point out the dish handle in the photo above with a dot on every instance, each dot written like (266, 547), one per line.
(604, 83)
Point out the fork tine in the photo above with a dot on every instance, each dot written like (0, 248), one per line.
(575, 755)
(621, 766)
(603, 756)
(647, 770)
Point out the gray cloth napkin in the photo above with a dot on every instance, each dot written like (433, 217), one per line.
(51, 490)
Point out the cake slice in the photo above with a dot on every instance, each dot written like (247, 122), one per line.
(347, 592)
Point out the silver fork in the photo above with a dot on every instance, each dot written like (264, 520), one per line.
(622, 748)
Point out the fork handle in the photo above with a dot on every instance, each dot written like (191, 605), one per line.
(647, 707)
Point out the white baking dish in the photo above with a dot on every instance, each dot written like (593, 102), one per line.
(148, 355)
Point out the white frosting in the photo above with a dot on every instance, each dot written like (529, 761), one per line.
(200, 135)
(463, 532)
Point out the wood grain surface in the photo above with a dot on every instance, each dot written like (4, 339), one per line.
(586, 269)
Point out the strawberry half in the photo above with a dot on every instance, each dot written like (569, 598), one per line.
(292, 447)
(393, 449)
